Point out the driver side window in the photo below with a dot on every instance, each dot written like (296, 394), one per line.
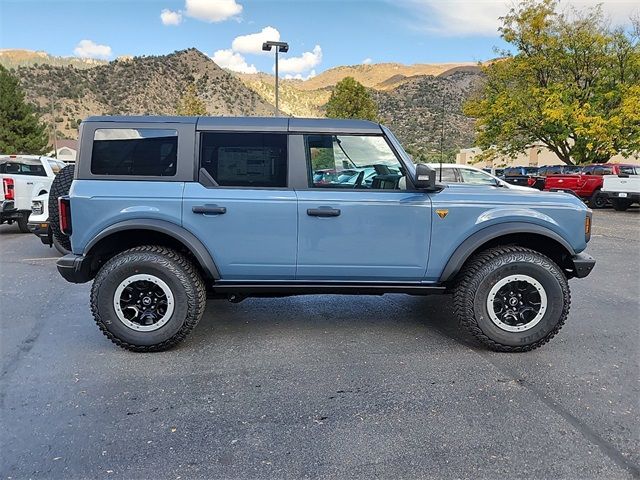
(352, 162)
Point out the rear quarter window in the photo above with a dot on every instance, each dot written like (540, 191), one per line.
(145, 152)
(245, 159)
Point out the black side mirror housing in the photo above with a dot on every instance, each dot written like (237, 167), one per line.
(425, 177)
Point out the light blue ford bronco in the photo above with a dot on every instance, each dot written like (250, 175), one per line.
(165, 212)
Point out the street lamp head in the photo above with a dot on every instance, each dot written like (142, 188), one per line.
(282, 47)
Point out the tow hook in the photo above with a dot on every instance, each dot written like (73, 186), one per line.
(236, 298)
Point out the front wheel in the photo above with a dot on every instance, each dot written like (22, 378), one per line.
(148, 298)
(511, 299)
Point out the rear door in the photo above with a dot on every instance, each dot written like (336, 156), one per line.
(355, 230)
(241, 207)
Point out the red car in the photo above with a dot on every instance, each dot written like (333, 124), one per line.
(588, 183)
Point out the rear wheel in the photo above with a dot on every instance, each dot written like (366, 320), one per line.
(60, 187)
(512, 299)
(148, 298)
(22, 223)
(597, 200)
(620, 205)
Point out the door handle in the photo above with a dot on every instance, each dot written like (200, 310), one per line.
(209, 209)
(323, 212)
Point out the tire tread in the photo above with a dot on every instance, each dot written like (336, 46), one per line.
(195, 289)
(471, 276)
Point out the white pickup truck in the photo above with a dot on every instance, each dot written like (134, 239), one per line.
(622, 190)
(24, 177)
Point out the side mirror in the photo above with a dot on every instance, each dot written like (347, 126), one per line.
(425, 177)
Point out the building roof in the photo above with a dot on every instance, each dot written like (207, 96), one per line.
(273, 124)
(67, 142)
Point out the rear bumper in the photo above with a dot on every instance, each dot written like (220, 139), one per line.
(582, 265)
(629, 196)
(8, 211)
(75, 268)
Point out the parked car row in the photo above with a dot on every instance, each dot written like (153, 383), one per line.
(585, 182)
(24, 177)
(28, 181)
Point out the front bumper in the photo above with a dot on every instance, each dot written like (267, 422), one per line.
(582, 265)
(75, 268)
(42, 231)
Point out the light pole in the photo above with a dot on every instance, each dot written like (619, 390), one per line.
(280, 47)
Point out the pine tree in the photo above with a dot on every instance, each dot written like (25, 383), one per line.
(21, 130)
(190, 105)
(350, 99)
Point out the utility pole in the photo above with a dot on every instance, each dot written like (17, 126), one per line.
(280, 47)
(55, 132)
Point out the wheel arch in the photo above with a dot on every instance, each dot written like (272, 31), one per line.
(131, 233)
(524, 234)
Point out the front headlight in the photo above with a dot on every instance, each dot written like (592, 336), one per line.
(36, 207)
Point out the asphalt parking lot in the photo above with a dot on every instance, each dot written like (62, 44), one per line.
(327, 386)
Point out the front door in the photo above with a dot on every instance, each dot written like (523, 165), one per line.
(357, 221)
(241, 208)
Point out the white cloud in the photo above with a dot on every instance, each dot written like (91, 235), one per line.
(253, 43)
(299, 76)
(233, 61)
(169, 17)
(303, 63)
(212, 10)
(367, 61)
(90, 49)
(481, 17)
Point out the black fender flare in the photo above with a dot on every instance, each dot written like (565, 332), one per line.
(177, 232)
(476, 240)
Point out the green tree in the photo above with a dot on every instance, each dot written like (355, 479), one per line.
(350, 99)
(190, 104)
(571, 85)
(20, 129)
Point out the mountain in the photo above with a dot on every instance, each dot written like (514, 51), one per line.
(14, 58)
(150, 85)
(409, 97)
(379, 76)
(419, 109)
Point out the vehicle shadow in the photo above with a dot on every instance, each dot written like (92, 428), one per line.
(393, 314)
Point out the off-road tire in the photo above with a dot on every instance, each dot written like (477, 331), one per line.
(60, 187)
(59, 247)
(175, 270)
(620, 205)
(486, 269)
(22, 223)
(598, 200)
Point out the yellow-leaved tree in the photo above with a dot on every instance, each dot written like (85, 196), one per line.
(571, 83)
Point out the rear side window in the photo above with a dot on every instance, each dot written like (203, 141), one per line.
(628, 170)
(22, 166)
(448, 175)
(145, 152)
(601, 170)
(245, 159)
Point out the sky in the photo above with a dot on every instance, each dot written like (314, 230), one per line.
(321, 33)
